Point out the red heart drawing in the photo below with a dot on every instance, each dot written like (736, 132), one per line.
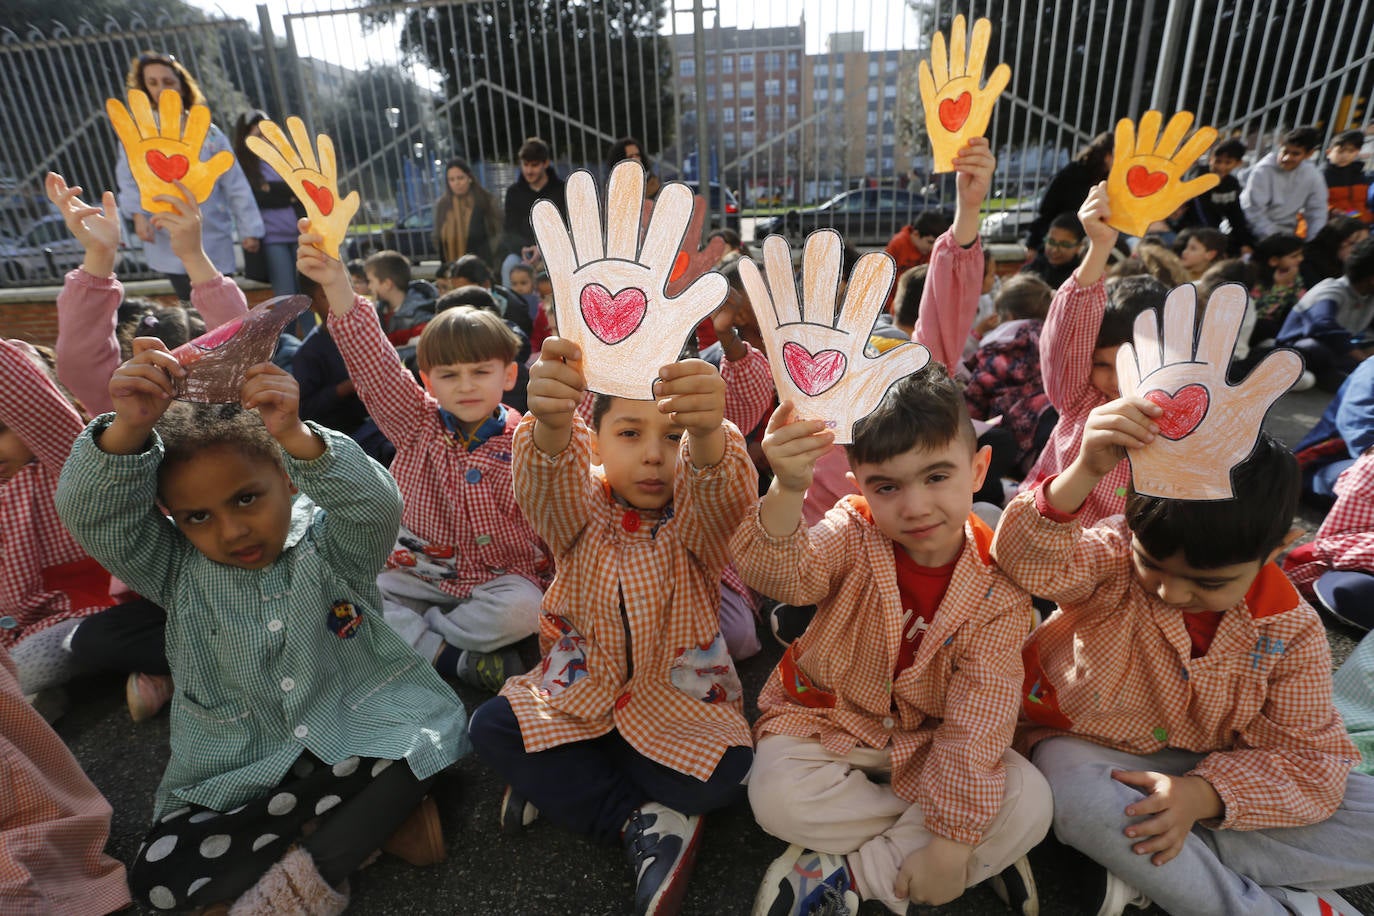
(168, 168)
(813, 373)
(954, 112)
(323, 197)
(613, 318)
(1183, 410)
(1142, 182)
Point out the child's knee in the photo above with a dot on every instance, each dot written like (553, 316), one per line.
(1088, 803)
(491, 724)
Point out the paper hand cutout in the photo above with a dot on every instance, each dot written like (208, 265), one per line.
(610, 290)
(694, 259)
(1145, 184)
(316, 183)
(161, 151)
(818, 360)
(216, 362)
(956, 106)
(1208, 426)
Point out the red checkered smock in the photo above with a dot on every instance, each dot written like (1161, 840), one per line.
(1346, 537)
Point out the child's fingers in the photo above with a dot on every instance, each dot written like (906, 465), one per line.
(265, 368)
(781, 417)
(560, 348)
(1145, 407)
(559, 373)
(815, 444)
(686, 368)
(135, 379)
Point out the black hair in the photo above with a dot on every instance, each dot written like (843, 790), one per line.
(1305, 137)
(1233, 148)
(1209, 238)
(525, 268)
(1322, 254)
(1353, 138)
(1359, 267)
(246, 158)
(356, 268)
(472, 268)
(906, 302)
(174, 325)
(925, 410)
(1275, 245)
(1231, 270)
(1069, 222)
(601, 405)
(474, 296)
(1095, 154)
(188, 429)
(616, 154)
(1214, 533)
(729, 269)
(931, 222)
(1127, 297)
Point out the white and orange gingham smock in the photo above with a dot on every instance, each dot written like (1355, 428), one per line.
(1113, 665)
(631, 623)
(950, 716)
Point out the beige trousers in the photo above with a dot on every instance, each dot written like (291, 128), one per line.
(843, 805)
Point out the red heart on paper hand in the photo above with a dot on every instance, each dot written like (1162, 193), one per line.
(813, 373)
(613, 318)
(1183, 410)
(954, 112)
(168, 168)
(1142, 182)
(323, 197)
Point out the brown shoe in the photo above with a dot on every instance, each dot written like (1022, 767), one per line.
(419, 840)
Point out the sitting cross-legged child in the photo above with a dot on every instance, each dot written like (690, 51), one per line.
(1337, 566)
(293, 701)
(884, 741)
(632, 727)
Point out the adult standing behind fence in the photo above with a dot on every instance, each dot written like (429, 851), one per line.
(1070, 186)
(537, 181)
(277, 205)
(466, 218)
(232, 196)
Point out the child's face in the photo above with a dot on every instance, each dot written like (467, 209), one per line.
(1061, 246)
(921, 498)
(443, 284)
(521, 282)
(1189, 588)
(14, 454)
(1342, 156)
(1223, 165)
(362, 286)
(1358, 236)
(234, 507)
(637, 447)
(545, 288)
(1196, 256)
(1103, 374)
(471, 391)
(1290, 157)
(1286, 266)
(923, 243)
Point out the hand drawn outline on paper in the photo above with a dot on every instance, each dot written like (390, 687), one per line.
(956, 107)
(217, 361)
(1145, 184)
(160, 150)
(314, 181)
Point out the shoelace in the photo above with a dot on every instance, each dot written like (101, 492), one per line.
(831, 904)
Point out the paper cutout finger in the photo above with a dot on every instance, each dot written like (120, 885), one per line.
(956, 106)
(610, 288)
(1145, 184)
(694, 259)
(818, 358)
(161, 149)
(1208, 425)
(217, 362)
(315, 181)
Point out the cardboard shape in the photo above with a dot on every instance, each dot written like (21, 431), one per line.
(216, 362)
(818, 358)
(1146, 181)
(314, 180)
(611, 284)
(161, 149)
(1209, 425)
(956, 106)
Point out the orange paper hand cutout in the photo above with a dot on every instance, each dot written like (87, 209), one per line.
(162, 151)
(956, 106)
(1208, 425)
(315, 182)
(1145, 184)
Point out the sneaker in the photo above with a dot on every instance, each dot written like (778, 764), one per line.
(807, 883)
(1318, 903)
(1305, 381)
(1015, 886)
(516, 812)
(489, 670)
(1117, 895)
(420, 838)
(146, 694)
(662, 846)
(788, 622)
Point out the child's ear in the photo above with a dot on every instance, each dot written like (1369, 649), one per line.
(512, 373)
(981, 459)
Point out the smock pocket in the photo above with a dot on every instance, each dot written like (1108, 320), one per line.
(706, 673)
(566, 663)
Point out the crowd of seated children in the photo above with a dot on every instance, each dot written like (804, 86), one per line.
(1285, 191)
(1329, 325)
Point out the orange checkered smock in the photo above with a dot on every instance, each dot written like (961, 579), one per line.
(950, 716)
(631, 624)
(1113, 665)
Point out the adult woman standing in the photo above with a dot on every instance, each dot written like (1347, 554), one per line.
(155, 73)
(630, 148)
(277, 204)
(1070, 186)
(466, 219)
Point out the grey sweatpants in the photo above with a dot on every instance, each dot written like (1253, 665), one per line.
(494, 615)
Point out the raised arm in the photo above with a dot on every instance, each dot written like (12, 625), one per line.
(33, 408)
(555, 490)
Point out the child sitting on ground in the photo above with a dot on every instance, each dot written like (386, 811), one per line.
(292, 700)
(465, 580)
(884, 735)
(1347, 182)
(1278, 258)
(1337, 567)
(632, 727)
(1199, 249)
(1084, 329)
(1330, 325)
(1180, 698)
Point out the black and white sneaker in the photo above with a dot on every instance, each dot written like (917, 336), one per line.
(661, 845)
(516, 811)
(1015, 886)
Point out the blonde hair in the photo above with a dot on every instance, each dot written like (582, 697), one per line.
(465, 335)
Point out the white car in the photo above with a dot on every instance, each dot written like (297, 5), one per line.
(45, 251)
(1011, 224)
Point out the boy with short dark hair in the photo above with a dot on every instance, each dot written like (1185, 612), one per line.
(1199, 249)
(403, 304)
(1347, 182)
(912, 244)
(1059, 255)
(884, 740)
(537, 181)
(1220, 207)
(1285, 187)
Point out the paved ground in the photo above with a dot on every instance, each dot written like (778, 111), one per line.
(543, 870)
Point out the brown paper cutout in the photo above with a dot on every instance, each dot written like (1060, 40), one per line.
(956, 107)
(216, 362)
(315, 182)
(161, 150)
(1145, 184)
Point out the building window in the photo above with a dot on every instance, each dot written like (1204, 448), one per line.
(839, 94)
(710, 92)
(820, 94)
(746, 138)
(791, 86)
(872, 69)
(729, 115)
(772, 87)
(870, 164)
(889, 92)
(821, 69)
(772, 112)
(687, 66)
(746, 114)
(727, 90)
(873, 93)
(729, 138)
(727, 63)
(891, 66)
(839, 69)
(872, 118)
(792, 59)
(746, 63)
(710, 66)
(791, 112)
(887, 163)
(772, 60)
(746, 90)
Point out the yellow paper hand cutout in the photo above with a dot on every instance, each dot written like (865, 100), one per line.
(1145, 184)
(956, 106)
(161, 150)
(315, 182)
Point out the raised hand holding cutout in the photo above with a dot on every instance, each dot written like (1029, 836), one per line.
(610, 289)
(161, 150)
(1146, 181)
(315, 181)
(956, 107)
(1208, 425)
(818, 359)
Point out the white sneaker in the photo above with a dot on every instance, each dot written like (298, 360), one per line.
(1119, 895)
(1318, 903)
(1305, 381)
(1015, 886)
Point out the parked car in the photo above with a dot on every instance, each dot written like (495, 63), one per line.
(412, 235)
(44, 251)
(867, 217)
(1011, 224)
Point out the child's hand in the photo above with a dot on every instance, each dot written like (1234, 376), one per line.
(1177, 802)
(141, 389)
(1114, 427)
(329, 272)
(974, 164)
(1094, 215)
(934, 874)
(96, 228)
(693, 394)
(275, 395)
(556, 384)
(181, 221)
(793, 446)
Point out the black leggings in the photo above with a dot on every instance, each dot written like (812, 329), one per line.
(196, 856)
(127, 637)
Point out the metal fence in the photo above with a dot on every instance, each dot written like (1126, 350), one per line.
(778, 106)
